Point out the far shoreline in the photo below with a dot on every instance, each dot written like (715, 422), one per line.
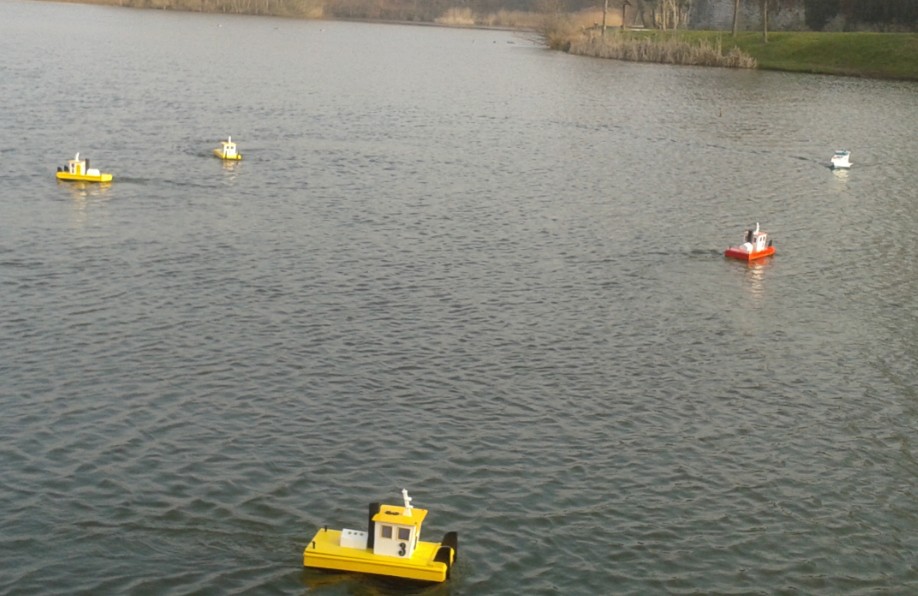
(885, 56)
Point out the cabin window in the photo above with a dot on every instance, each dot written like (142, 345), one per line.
(387, 532)
(404, 533)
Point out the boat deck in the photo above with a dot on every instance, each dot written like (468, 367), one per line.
(325, 552)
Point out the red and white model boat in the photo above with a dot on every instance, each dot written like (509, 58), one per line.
(755, 246)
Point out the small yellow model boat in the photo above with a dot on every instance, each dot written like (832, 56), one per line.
(227, 150)
(78, 169)
(390, 546)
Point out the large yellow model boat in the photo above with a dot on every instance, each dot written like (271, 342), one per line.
(227, 150)
(78, 169)
(390, 546)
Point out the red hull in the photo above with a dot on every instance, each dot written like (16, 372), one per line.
(736, 252)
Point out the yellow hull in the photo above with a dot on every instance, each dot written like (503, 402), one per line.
(324, 551)
(84, 177)
(219, 153)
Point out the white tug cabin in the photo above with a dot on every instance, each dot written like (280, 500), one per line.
(227, 150)
(394, 530)
(79, 167)
(755, 240)
(841, 159)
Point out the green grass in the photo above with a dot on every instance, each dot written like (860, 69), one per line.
(879, 55)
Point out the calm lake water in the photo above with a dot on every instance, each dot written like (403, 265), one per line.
(454, 262)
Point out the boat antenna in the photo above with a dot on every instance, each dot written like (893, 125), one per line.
(407, 502)
(756, 227)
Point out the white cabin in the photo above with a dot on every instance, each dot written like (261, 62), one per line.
(755, 240)
(227, 148)
(79, 167)
(396, 529)
(841, 159)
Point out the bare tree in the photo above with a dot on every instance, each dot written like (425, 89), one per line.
(605, 10)
(674, 13)
(764, 21)
(735, 16)
(668, 14)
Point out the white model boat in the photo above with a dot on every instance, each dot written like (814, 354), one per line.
(841, 159)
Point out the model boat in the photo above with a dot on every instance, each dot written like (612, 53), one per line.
(756, 245)
(227, 150)
(79, 170)
(390, 546)
(841, 160)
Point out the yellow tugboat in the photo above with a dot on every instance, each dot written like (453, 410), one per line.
(78, 169)
(390, 546)
(227, 150)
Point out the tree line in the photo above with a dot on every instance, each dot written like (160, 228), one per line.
(854, 14)
(881, 15)
(839, 14)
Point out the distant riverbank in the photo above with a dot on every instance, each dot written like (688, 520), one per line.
(874, 55)
(343, 10)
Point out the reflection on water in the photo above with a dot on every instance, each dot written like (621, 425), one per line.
(230, 170)
(755, 279)
(207, 359)
(85, 195)
(80, 190)
(839, 182)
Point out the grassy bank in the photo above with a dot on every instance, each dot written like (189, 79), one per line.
(877, 55)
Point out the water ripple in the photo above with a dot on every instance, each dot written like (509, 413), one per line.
(512, 302)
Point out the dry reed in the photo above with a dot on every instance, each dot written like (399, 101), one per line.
(669, 51)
